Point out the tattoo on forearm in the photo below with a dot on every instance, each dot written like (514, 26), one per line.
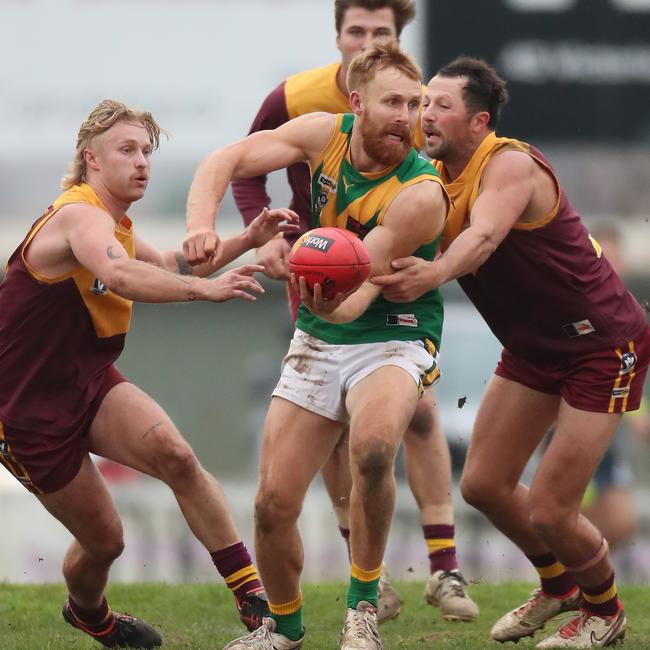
(183, 267)
(111, 254)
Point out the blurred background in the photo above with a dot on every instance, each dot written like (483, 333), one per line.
(579, 78)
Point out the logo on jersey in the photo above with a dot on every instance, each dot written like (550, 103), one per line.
(346, 185)
(628, 361)
(401, 320)
(318, 243)
(327, 183)
(580, 328)
(356, 227)
(99, 288)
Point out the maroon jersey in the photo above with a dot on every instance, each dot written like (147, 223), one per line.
(58, 336)
(546, 292)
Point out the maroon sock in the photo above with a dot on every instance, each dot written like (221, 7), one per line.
(95, 620)
(591, 597)
(556, 580)
(442, 547)
(345, 534)
(236, 567)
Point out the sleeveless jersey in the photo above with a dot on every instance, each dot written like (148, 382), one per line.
(546, 292)
(309, 91)
(345, 198)
(58, 336)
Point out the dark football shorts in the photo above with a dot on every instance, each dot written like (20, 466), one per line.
(46, 461)
(606, 381)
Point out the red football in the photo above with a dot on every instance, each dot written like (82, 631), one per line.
(332, 257)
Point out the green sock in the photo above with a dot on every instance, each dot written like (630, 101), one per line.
(290, 625)
(358, 591)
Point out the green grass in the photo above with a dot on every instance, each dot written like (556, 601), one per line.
(202, 616)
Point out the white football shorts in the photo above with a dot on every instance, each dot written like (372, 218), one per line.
(318, 375)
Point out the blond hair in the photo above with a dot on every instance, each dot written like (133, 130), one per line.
(103, 117)
(382, 53)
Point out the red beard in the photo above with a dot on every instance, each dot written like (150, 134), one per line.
(379, 147)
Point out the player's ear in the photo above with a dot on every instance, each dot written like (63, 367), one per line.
(481, 119)
(355, 102)
(91, 158)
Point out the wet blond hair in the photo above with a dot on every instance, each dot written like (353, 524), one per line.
(382, 53)
(103, 117)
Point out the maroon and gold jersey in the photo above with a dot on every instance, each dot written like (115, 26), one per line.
(311, 91)
(58, 336)
(546, 292)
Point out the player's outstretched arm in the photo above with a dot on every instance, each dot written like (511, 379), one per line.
(263, 228)
(506, 190)
(402, 231)
(301, 139)
(89, 233)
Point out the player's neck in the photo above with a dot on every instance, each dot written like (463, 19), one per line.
(463, 153)
(115, 207)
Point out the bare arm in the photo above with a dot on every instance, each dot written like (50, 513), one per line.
(263, 228)
(262, 152)
(415, 217)
(506, 190)
(89, 233)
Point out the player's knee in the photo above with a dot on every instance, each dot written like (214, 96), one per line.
(477, 492)
(177, 462)
(551, 516)
(274, 510)
(107, 547)
(373, 459)
(422, 422)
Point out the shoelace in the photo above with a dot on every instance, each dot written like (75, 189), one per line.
(454, 581)
(262, 633)
(363, 625)
(535, 595)
(574, 626)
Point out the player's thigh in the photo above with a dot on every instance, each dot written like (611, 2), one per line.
(85, 507)
(568, 464)
(381, 406)
(296, 444)
(133, 429)
(511, 421)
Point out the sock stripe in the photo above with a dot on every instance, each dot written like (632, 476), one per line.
(552, 571)
(243, 575)
(283, 609)
(437, 545)
(599, 599)
(365, 576)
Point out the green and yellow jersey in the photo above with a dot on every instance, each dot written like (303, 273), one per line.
(343, 197)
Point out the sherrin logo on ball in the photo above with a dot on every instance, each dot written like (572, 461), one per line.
(332, 257)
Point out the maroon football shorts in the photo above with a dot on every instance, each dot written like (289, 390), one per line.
(46, 461)
(606, 381)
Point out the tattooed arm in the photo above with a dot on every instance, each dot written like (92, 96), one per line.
(89, 234)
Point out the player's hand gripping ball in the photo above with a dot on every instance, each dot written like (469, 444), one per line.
(332, 257)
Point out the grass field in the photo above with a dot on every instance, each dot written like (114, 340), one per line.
(203, 617)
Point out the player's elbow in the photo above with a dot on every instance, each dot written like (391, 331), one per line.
(116, 277)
